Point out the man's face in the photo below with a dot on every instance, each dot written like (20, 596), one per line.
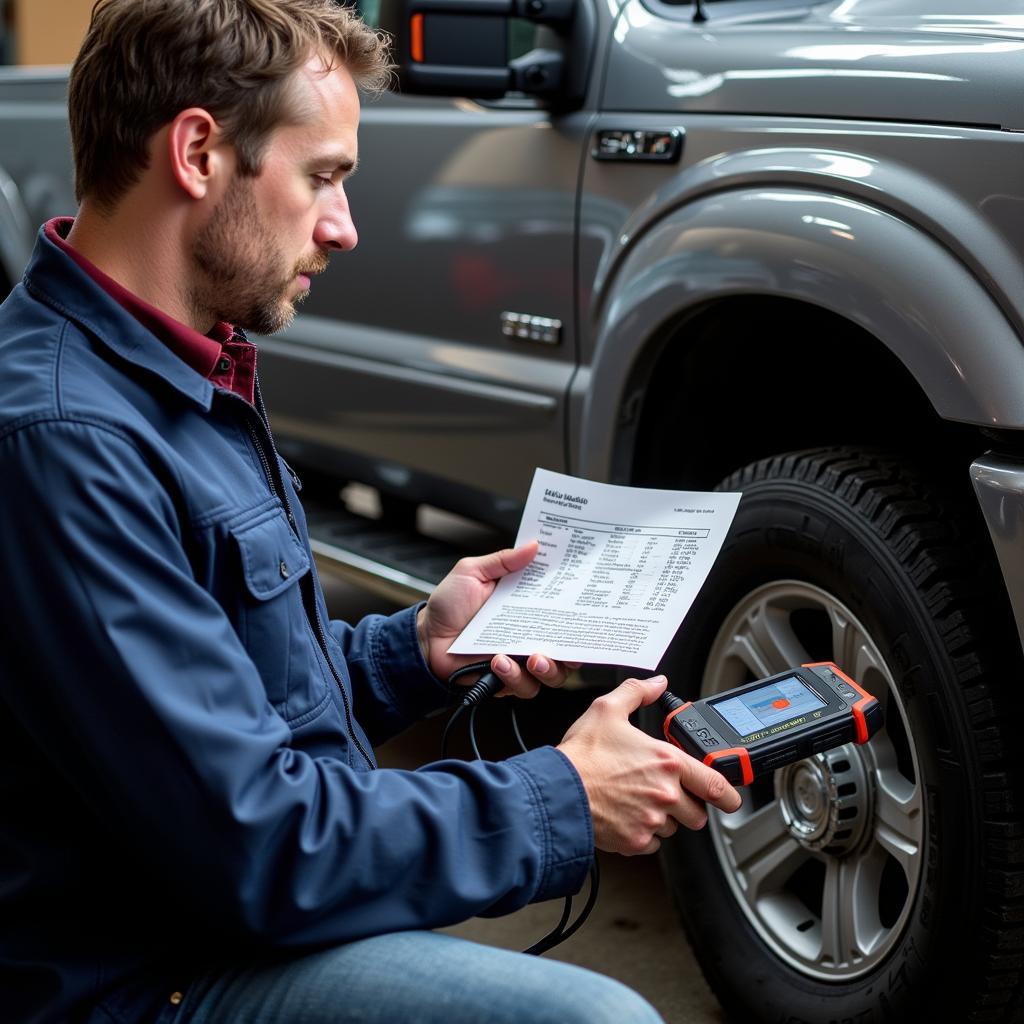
(268, 235)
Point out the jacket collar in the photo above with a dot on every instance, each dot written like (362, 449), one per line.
(54, 278)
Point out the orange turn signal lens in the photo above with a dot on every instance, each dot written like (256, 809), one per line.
(416, 45)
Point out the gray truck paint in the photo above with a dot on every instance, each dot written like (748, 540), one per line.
(847, 60)
(14, 229)
(35, 158)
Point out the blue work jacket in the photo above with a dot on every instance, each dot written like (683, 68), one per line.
(186, 767)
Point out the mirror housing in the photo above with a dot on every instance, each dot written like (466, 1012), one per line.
(460, 48)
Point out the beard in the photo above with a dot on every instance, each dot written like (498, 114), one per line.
(244, 278)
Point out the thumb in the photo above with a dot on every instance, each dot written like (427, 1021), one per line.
(637, 693)
(501, 563)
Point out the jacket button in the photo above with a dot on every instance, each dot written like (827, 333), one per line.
(176, 998)
(284, 571)
(224, 364)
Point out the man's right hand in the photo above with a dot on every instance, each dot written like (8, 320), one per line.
(640, 789)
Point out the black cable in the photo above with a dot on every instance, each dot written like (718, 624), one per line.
(472, 733)
(486, 686)
(515, 728)
(448, 728)
(554, 936)
(595, 880)
(560, 933)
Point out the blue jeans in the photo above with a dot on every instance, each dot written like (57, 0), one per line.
(413, 978)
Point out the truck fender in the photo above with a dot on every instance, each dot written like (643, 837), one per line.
(15, 231)
(842, 254)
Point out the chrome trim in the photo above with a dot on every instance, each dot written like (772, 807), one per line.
(531, 328)
(381, 579)
(999, 486)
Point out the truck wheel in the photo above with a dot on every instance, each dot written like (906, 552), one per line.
(875, 883)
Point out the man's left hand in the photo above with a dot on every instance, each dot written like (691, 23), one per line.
(457, 599)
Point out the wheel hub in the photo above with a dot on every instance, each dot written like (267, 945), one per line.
(825, 800)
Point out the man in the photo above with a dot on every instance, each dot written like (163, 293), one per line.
(193, 826)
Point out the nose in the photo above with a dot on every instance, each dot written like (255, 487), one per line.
(335, 229)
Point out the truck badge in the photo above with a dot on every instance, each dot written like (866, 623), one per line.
(634, 145)
(531, 328)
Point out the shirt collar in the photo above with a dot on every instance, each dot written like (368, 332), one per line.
(199, 351)
(60, 282)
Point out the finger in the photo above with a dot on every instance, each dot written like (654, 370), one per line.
(708, 785)
(501, 563)
(688, 812)
(515, 679)
(635, 693)
(670, 828)
(549, 672)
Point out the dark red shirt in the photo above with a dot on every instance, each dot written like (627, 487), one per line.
(223, 357)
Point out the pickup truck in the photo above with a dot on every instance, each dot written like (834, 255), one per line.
(771, 246)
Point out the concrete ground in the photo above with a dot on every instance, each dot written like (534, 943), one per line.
(632, 934)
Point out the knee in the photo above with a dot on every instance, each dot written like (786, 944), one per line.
(598, 1000)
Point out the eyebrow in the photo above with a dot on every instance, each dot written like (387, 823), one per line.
(338, 161)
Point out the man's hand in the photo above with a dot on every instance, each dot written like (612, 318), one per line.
(640, 789)
(457, 599)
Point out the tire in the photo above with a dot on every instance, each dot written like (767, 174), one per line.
(907, 902)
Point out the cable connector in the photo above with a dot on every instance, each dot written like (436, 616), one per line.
(486, 686)
(669, 702)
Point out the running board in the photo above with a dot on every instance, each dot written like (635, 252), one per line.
(394, 561)
(383, 580)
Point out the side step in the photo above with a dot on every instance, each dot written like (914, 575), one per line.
(397, 561)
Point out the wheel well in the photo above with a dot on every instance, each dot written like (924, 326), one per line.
(752, 377)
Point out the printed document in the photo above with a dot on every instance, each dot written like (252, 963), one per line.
(617, 569)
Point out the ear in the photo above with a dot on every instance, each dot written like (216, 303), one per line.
(194, 159)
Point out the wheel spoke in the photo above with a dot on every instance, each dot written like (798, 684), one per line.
(751, 837)
(838, 910)
(765, 854)
(850, 926)
(851, 649)
(898, 826)
(834, 942)
(765, 642)
(846, 640)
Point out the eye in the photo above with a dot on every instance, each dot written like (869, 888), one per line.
(321, 181)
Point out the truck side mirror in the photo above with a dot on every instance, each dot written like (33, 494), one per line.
(460, 48)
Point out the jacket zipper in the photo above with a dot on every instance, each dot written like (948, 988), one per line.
(309, 594)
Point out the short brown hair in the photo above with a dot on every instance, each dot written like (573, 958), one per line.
(144, 61)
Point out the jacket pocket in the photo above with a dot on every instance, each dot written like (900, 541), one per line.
(273, 622)
(273, 560)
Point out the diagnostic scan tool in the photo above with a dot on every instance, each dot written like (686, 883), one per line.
(754, 729)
